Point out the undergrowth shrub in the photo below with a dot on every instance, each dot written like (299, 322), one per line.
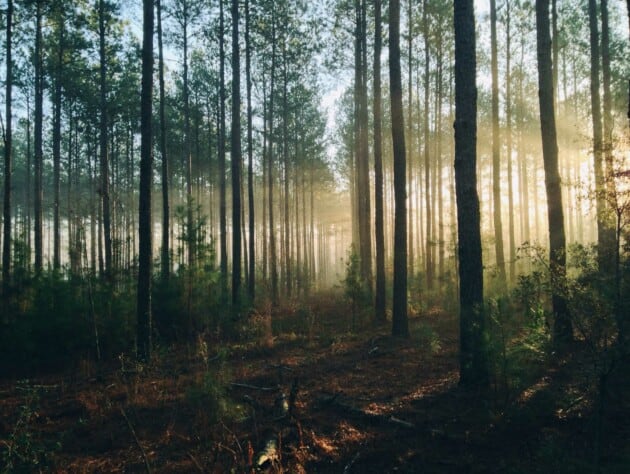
(22, 451)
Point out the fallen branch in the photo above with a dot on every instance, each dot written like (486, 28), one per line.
(254, 387)
(133, 432)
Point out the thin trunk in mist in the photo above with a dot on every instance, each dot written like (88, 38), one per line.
(251, 282)
(145, 234)
(380, 298)
(607, 142)
(473, 368)
(562, 330)
(361, 145)
(39, 152)
(596, 114)
(223, 263)
(400, 325)
(427, 164)
(103, 139)
(56, 145)
(165, 251)
(409, 137)
(496, 152)
(236, 160)
(508, 132)
(273, 264)
(8, 170)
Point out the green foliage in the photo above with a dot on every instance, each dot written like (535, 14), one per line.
(22, 451)
(355, 287)
(209, 396)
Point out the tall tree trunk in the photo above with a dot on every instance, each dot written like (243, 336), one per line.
(236, 161)
(473, 369)
(610, 242)
(104, 157)
(57, 145)
(596, 115)
(165, 251)
(562, 330)
(400, 325)
(251, 284)
(380, 298)
(223, 263)
(146, 172)
(496, 152)
(191, 228)
(361, 147)
(409, 137)
(273, 263)
(39, 153)
(508, 131)
(8, 170)
(427, 165)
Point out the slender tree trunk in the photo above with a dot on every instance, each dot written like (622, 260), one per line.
(251, 286)
(165, 251)
(8, 166)
(236, 161)
(508, 131)
(380, 298)
(361, 146)
(57, 147)
(409, 137)
(104, 157)
(496, 152)
(191, 228)
(427, 164)
(223, 263)
(146, 172)
(562, 330)
(273, 265)
(473, 369)
(596, 115)
(610, 241)
(39, 153)
(399, 314)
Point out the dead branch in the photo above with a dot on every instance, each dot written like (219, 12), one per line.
(135, 437)
(254, 387)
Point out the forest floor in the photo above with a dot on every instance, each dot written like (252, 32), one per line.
(360, 402)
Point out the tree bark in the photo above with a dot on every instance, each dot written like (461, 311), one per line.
(145, 233)
(39, 153)
(380, 296)
(8, 170)
(251, 286)
(473, 369)
(562, 330)
(236, 161)
(165, 251)
(400, 325)
(104, 157)
(496, 152)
